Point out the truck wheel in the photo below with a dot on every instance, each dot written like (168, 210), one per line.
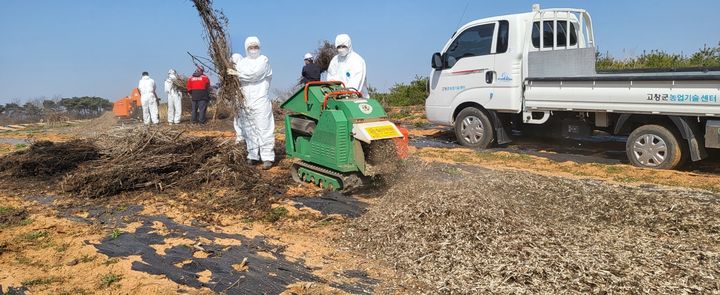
(473, 128)
(654, 146)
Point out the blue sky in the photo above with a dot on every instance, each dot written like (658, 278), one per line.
(99, 48)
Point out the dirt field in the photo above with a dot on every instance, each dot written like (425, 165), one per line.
(536, 216)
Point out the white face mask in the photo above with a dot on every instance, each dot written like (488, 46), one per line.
(254, 53)
(343, 51)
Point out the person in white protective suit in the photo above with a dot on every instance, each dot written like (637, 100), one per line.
(348, 66)
(148, 98)
(258, 124)
(174, 98)
(237, 123)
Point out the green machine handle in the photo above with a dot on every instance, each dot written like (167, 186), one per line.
(308, 84)
(308, 100)
(338, 93)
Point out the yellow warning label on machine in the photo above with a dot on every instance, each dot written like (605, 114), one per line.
(384, 131)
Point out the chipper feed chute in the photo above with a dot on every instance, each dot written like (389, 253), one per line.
(338, 138)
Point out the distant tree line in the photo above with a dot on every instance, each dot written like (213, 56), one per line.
(706, 57)
(39, 110)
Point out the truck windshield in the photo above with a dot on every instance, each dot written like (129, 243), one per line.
(475, 41)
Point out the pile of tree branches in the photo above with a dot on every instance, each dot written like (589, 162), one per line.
(215, 24)
(45, 158)
(324, 54)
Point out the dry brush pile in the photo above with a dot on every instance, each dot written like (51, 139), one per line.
(139, 159)
(46, 158)
(155, 160)
(514, 232)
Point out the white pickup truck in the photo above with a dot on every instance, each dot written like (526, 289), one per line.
(508, 72)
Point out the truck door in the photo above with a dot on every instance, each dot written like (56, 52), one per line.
(507, 83)
(467, 73)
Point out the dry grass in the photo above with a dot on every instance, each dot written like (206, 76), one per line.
(163, 112)
(53, 119)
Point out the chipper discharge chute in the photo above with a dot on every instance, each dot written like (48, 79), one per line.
(338, 138)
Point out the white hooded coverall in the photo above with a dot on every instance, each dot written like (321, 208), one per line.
(258, 124)
(350, 68)
(148, 100)
(237, 123)
(174, 99)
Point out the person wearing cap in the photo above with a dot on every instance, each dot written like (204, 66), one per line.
(199, 88)
(148, 98)
(311, 71)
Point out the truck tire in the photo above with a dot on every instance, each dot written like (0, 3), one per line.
(655, 146)
(473, 128)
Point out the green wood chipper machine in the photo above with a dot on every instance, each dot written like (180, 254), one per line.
(338, 139)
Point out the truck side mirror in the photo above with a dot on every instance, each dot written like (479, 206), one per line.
(437, 61)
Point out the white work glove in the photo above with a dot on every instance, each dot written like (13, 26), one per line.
(233, 72)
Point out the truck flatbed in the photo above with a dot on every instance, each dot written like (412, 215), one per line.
(638, 76)
(690, 93)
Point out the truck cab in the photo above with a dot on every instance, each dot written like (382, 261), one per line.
(485, 60)
(500, 73)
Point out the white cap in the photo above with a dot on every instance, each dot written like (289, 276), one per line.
(308, 56)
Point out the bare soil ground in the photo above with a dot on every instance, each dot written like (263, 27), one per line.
(532, 217)
(166, 211)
